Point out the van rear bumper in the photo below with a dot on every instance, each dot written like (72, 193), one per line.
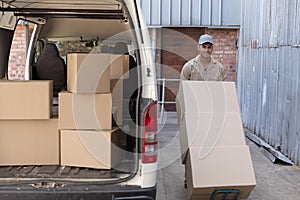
(84, 192)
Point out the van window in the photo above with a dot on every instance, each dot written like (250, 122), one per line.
(17, 57)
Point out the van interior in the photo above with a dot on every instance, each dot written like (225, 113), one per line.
(57, 40)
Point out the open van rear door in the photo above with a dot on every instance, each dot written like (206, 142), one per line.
(7, 25)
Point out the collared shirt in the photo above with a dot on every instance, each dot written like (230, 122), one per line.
(193, 70)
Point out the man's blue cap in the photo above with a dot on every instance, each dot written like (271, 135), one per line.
(205, 38)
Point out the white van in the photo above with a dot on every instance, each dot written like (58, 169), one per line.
(84, 33)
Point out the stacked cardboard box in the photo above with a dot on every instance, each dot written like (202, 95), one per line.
(119, 66)
(25, 100)
(29, 142)
(91, 73)
(212, 142)
(88, 148)
(29, 133)
(85, 111)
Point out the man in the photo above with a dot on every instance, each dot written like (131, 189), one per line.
(203, 67)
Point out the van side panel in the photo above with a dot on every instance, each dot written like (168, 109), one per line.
(148, 73)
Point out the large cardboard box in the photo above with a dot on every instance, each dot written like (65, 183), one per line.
(212, 139)
(119, 66)
(88, 73)
(210, 130)
(93, 149)
(26, 99)
(209, 169)
(208, 115)
(206, 96)
(85, 111)
(29, 142)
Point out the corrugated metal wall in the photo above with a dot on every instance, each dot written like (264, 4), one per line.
(269, 72)
(191, 12)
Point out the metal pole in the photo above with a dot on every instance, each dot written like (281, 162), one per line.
(180, 12)
(190, 12)
(220, 12)
(150, 11)
(200, 12)
(160, 12)
(209, 12)
(170, 12)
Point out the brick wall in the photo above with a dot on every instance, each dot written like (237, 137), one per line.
(175, 46)
(225, 49)
(17, 59)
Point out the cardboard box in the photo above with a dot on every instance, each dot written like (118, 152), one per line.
(210, 130)
(209, 169)
(206, 96)
(93, 149)
(212, 139)
(85, 111)
(119, 66)
(117, 100)
(88, 73)
(29, 142)
(26, 99)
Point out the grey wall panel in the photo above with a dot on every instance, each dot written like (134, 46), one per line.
(230, 16)
(216, 12)
(191, 12)
(166, 12)
(205, 12)
(196, 12)
(176, 12)
(155, 12)
(268, 78)
(185, 12)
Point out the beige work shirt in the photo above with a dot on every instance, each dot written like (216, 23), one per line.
(193, 70)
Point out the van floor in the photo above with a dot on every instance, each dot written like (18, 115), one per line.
(56, 171)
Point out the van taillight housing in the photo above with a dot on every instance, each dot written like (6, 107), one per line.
(150, 143)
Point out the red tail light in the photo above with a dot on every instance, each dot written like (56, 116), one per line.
(149, 148)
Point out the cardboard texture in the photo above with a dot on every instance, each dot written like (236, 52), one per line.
(119, 66)
(206, 96)
(26, 99)
(210, 130)
(208, 169)
(29, 142)
(85, 111)
(93, 149)
(88, 73)
(116, 88)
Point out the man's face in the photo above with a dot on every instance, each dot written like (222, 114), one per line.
(205, 49)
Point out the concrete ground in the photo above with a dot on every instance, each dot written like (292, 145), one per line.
(274, 181)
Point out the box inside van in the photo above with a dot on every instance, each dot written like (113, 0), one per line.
(81, 119)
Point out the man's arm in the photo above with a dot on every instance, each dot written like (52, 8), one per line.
(223, 75)
(185, 72)
(222, 72)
